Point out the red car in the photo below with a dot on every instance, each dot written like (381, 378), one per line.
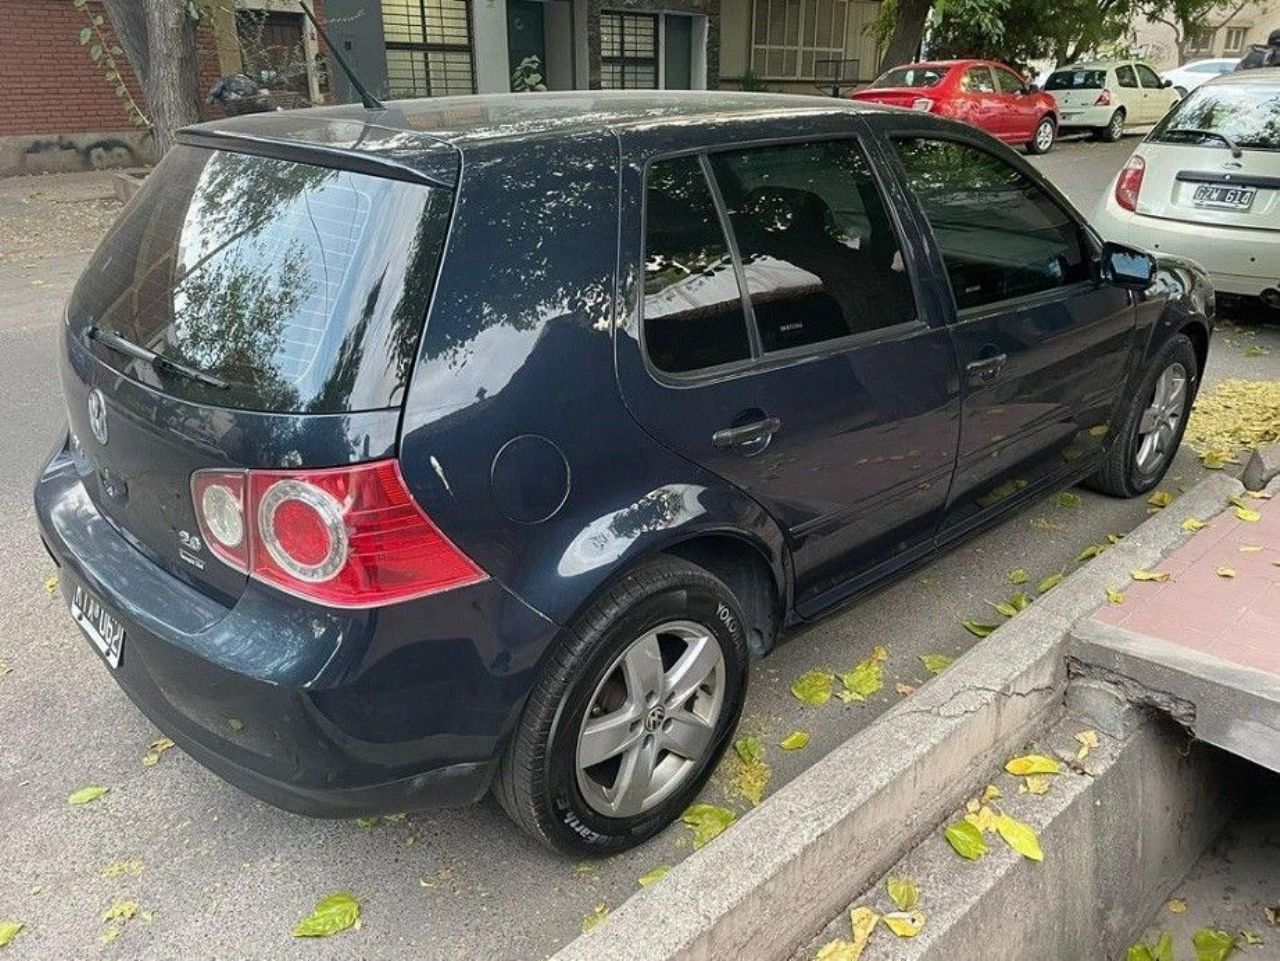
(979, 92)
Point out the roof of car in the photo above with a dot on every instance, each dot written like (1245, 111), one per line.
(1266, 75)
(421, 135)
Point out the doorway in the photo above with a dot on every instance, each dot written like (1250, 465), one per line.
(526, 35)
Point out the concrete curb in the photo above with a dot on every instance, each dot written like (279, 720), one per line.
(791, 864)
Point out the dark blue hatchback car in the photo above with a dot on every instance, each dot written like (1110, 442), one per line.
(478, 444)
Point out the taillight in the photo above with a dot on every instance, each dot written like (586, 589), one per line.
(922, 103)
(1104, 99)
(1129, 183)
(343, 536)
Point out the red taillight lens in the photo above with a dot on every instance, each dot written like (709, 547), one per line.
(1104, 99)
(1129, 183)
(344, 536)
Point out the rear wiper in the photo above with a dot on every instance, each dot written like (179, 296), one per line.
(1212, 135)
(114, 341)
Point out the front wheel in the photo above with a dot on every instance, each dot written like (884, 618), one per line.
(1153, 424)
(635, 707)
(1041, 141)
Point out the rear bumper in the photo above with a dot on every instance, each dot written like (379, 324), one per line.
(1092, 117)
(321, 712)
(1240, 260)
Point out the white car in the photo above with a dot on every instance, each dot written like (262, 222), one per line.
(1190, 75)
(1205, 184)
(1107, 98)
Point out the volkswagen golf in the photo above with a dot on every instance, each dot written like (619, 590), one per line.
(478, 445)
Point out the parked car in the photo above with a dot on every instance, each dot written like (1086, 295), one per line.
(477, 444)
(1206, 183)
(1190, 75)
(1262, 54)
(1108, 98)
(988, 95)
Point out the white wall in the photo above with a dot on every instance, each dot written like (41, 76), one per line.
(489, 42)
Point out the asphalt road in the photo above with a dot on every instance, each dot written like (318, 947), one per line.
(225, 876)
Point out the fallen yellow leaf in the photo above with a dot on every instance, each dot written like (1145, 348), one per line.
(1032, 764)
(1035, 784)
(794, 741)
(1141, 575)
(905, 924)
(1019, 836)
(1193, 524)
(813, 687)
(1160, 499)
(598, 914)
(1248, 514)
(1088, 740)
(1114, 596)
(1177, 905)
(1227, 572)
(903, 892)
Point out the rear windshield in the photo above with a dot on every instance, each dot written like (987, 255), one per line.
(1076, 80)
(303, 288)
(916, 76)
(1248, 114)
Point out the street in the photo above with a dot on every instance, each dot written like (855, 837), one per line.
(210, 866)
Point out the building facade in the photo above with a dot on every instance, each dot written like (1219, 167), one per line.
(1227, 35)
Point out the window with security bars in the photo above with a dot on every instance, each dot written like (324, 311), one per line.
(1235, 39)
(1201, 40)
(628, 51)
(428, 48)
(790, 36)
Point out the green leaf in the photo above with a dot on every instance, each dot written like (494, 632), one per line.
(654, 875)
(1089, 553)
(87, 795)
(332, 913)
(749, 748)
(904, 893)
(95, 52)
(86, 34)
(1068, 499)
(1019, 576)
(1049, 583)
(593, 919)
(235, 724)
(813, 687)
(794, 741)
(9, 930)
(977, 629)
(1020, 601)
(708, 822)
(1004, 607)
(864, 680)
(1032, 764)
(1213, 945)
(936, 663)
(966, 839)
(1161, 951)
(1020, 836)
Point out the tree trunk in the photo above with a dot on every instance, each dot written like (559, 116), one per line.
(173, 70)
(129, 21)
(908, 29)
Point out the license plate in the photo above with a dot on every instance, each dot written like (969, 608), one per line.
(1223, 197)
(98, 624)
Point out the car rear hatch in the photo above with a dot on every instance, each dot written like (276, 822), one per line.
(1215, 159)
(894, 97)
(258, 304)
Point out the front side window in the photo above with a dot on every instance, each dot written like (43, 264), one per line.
(819, 253)
(1148, 76)
(1001, 236)
(1008, 82)
(1126, 77)
(628, 51)
(693, 314)
(977, 80)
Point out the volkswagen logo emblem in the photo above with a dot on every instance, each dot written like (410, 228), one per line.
(98, 415)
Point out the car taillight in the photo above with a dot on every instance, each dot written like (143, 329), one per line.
(922, 103)
(1104, 99)
(342, 536)
(1129, 183)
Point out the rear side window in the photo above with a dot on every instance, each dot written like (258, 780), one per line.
(819, 253)
(304, 288)
(1076, 80)
(1248, 114)
(912, 77)
(693, 314)
(1001, 236)
(1126, 77)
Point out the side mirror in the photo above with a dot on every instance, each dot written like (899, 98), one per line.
(1033, 88)
(1127, 267)
(1166, 82)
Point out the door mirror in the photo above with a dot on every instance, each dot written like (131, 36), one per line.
(1127, 267)
(1166, 83)
(1033, 88)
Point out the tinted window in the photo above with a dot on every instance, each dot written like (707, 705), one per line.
(693, 315)
(1000, 235)
(977, 80)
(1007, 82)
(1076, 80)
(916, 76)
(1249, 114)
(819, 253)
(1147, 76)
(305, 288)
(1126, 77)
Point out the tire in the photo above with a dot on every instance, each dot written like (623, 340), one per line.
(1114, 129)
(1042, 138)
(540, 782)
(1124, 473)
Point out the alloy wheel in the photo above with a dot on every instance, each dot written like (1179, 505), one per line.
(1117, 126)
(651, 720)
(1044, 136)
(1158, 426)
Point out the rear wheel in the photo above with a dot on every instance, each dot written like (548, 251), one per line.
(1114, 129)
(1042, 139)
(1153, 424)
(635, 708)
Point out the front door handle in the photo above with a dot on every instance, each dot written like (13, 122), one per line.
(749, 438)
(987, 369)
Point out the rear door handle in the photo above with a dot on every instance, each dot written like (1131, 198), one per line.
(749, 438)
(987, 369)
